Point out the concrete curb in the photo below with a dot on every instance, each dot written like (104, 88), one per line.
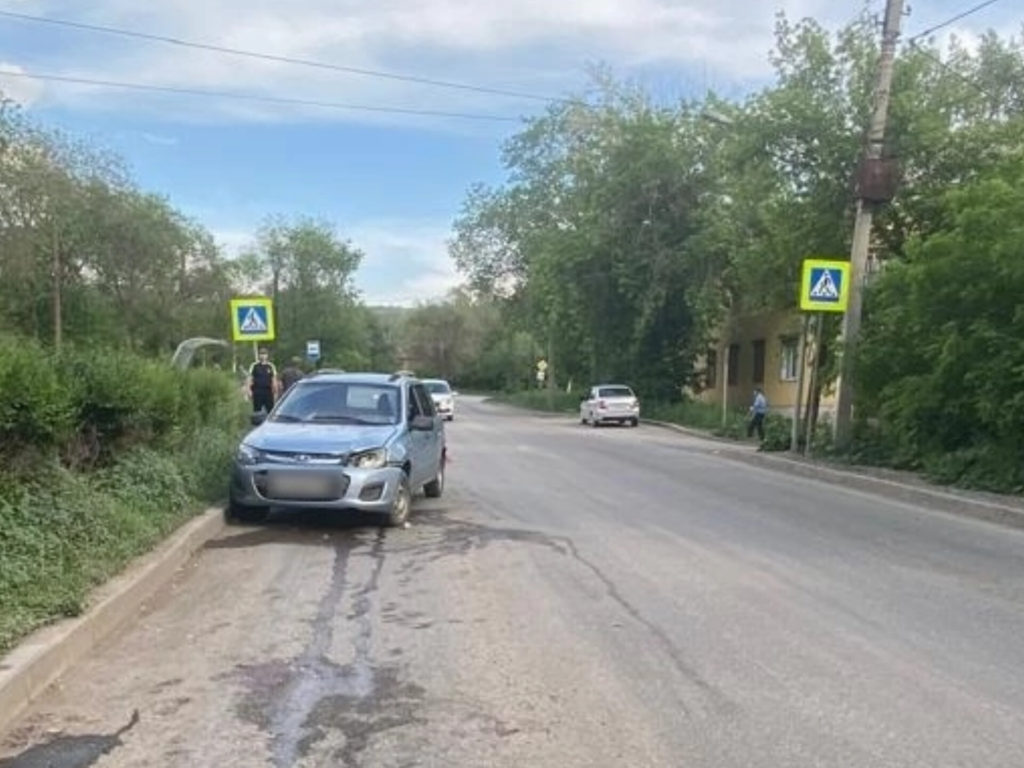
(950, 501)
(931, 498)
(45, 655)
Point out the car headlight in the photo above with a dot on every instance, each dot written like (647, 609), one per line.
(374, 459)
(246, 454)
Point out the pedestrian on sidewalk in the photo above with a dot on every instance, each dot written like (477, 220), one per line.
(757, 413)
(263, 383)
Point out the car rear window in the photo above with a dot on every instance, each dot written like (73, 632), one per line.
(615, 392)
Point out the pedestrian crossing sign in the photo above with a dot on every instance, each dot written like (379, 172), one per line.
(252, 319)
(825, 286)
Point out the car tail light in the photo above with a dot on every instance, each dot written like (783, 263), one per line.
(601, 404)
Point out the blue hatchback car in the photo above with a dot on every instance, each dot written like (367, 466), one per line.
(346, 441)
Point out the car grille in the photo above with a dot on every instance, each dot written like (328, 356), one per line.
(299, 457)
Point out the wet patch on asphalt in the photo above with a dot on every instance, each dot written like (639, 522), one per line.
(79, 751)
(298, 702)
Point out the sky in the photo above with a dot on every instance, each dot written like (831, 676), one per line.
(391, 183)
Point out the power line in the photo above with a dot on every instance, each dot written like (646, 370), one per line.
(272, 57)
(968, 80)
(947, 22)
(257, 97)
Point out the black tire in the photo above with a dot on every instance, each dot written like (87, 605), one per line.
(399, 513)
(435, 487)
(595, 422)
(634, 422)
(241, 513)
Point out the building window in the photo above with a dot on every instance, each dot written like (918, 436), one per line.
(734, 364)
(790, 359)
(758, 361)
(711, 368)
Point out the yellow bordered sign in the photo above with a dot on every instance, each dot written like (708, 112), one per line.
(825, 286)
(252, 319)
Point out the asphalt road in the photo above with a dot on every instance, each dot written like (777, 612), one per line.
(579, 597)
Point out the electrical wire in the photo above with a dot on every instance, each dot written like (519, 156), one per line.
(275, 58)
(256, 97)
(952, 20)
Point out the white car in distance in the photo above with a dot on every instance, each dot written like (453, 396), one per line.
(443, 396)
(610, 403)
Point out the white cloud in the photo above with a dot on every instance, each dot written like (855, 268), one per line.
(405, 262)
(19, 89)
(233, 241)
(159, 140)
(522, 45)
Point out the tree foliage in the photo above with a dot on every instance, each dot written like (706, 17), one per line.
(942, 362)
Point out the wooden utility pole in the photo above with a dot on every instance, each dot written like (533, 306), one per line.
(862, 226)
(58, 307)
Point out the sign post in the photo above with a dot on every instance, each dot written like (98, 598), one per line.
(542, 372)
(824, 287)
(313, 350)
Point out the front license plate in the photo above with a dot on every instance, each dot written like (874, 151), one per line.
(300, 485)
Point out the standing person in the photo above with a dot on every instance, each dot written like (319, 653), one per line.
(757, 414)
(291, 374)
(263, 382)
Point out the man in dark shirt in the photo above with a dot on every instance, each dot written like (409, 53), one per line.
(291, 374)
(263, 382)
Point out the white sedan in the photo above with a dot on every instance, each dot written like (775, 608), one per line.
(610, 403)
(443, 396)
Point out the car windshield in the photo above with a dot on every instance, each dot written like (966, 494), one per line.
(615, 392)
(340, 403)
(437, 387)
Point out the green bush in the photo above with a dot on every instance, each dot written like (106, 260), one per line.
(108, 453)
(941, 360)
(36, 409)
(778, 432)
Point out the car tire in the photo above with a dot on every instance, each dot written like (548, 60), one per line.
(634, 422)
(594, 422)
(435, 487)
(242, 513)
(398, 515)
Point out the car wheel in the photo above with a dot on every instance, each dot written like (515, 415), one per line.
(242, 513)
(400, 507)
(594, 421)
(634, 422)
(435, 487)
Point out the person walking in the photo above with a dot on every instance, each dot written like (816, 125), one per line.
(263, 382)
(758, 410)
(291, 374)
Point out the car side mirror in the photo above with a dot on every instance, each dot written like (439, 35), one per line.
(422, 424)
(258, 418)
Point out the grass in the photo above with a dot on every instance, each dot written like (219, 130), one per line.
(542, 400)
(63, 533)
